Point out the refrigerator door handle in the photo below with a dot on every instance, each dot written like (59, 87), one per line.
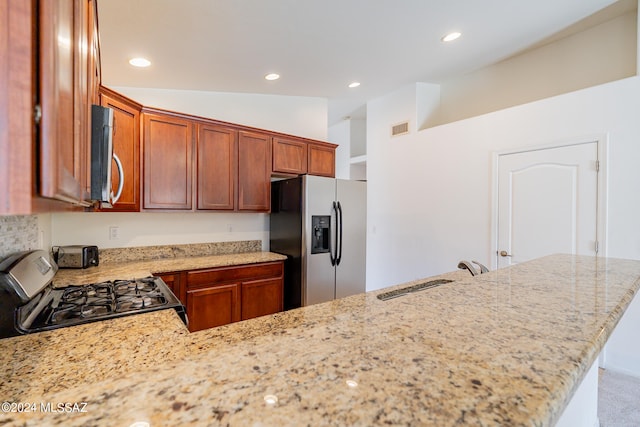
(339, 247)
(334, 258)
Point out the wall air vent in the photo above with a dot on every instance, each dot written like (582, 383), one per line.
(400, 129)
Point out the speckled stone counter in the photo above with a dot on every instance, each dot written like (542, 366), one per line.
(504, 348)
(137, 269)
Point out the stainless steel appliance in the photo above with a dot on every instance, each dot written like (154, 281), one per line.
(320, 225)
(29, 302)
(76, 256)
(102, 128)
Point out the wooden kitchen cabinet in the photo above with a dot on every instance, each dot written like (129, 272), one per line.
(223, 295)
(289, 156)
(17, 174)
(126, 145)
(254, 171)
(47, 79)
(65, 33)
(168, 163)
(193, 163)
(213, 306)
(322, 160)
(261, 297)
(217, 167)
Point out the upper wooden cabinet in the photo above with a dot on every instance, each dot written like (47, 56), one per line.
(48, 82)
(322, 160)
(168, 163)
(289, 156)
(298, 156)
(17, 84)
(126, 145)
(254, 171)
(231, 169)
(217, 166)
(65, 98)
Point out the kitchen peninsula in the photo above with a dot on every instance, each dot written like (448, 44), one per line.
(508, 347)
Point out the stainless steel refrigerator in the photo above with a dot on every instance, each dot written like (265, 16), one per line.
(320, 224)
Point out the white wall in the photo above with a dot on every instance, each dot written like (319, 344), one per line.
(429, 192)
(351, 136)
(148, 229)
(294, 115)
(568, 64)
(340, 134)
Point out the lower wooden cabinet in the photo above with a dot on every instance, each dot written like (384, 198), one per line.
(260, 297)
(218, 296)
(213, 306)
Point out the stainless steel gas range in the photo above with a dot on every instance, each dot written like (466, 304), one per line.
(29, 302)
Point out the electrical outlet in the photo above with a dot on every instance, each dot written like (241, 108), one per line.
(230, 228)
(114, 232)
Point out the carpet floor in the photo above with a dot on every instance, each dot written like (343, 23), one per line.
(618, 399)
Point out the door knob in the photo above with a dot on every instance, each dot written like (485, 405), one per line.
(504, 253)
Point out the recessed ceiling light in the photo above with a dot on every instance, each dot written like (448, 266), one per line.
(354, 84)
(451, 36)
(139, 62)
(272, 76)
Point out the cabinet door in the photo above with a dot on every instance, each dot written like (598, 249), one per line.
(64, 147)
(16, 106)
(289, 156)
(217, 167)
(261, 297)
(168, 162)
(213, 306)
(322, 161)
(126, 145)
(254, 172)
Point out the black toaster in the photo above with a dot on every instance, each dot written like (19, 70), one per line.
(76, 256)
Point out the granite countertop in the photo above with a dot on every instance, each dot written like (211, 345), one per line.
(144, 268)
(507, 347)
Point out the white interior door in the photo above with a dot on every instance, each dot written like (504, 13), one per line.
(547, 203)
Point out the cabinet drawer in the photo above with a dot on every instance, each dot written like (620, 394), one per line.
(200, 278)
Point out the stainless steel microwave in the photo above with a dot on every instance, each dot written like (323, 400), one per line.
(102, 128)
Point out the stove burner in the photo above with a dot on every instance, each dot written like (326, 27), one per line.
(54, 308)
(101, 299)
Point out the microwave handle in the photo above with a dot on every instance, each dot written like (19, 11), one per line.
(115, 198)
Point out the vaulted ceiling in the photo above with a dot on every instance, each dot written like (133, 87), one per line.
(319, 47)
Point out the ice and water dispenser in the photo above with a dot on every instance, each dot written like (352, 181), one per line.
(321, 228)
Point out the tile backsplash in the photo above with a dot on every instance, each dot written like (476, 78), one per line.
(18, 233)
